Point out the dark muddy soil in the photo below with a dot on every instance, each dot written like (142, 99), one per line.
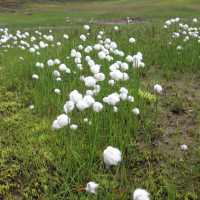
(179, 115)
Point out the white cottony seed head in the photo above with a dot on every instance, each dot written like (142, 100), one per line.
(91, 186)
(136, 111)
(158, 88)
(140, 194)
(112, 156)
(184, 147)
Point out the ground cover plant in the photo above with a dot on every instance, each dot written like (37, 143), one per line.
(95, 111)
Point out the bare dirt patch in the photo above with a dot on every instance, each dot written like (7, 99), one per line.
(133, 20)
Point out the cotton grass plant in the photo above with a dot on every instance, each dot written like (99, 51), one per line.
(98, 102)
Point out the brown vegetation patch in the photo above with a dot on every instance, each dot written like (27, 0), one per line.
(132, 20)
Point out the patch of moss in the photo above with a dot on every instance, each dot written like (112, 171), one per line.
(9, 107)
(10, 171)
(147, 95)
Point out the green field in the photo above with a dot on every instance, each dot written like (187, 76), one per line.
(38, 160)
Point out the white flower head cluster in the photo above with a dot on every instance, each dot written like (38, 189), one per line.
(195, 20)
(88, 49)
(89, 100)
(56, 61)
(73, 53)
(168, 22)
(116, 75)
(97, 46)
(177, 35)
(115, 109)
(132, 40)
(114, 67)
(123, 96)
(91, 62)
(184, 147)
(86, 27)
(112, 156)
(86, 102)
(80, 47)
(102, 55)
(56, 73)
(90, 81)
(73, 127)
(116, 28)
(50, 38)
(111, 82)
(123, 90)
(66, 36)
(68, 107)
(58, 43)
(97, 107)
(91, 186)
(124, 66)
(75, 96)
(32, 50)
(57, 91)
(113, 45)
(96, 90)
(83, 37)
(85, 120)
(179, 48)
(95, 69)
(35, 76)
(137, 60)
(107, 40)
(136, 111)
(31, 107)
(62, 67)
(61, 121)
(100, 76)
(158, 88)
(112, 99)
(33, 39)
(130, 98)
(129, 58)
(140, 194)
(50, 63)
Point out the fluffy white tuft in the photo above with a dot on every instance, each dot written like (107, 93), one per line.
(91, 186)
(112, 156)
(97, 107)
(158, 88)
(81, 105)
(56, 125)
(136, 111)
(88, 100)
(140, 194)
(62, 67)
(99, 76)
(63, 120)
(116, 75)
(90, 81)
(73, 127)
(68, 107)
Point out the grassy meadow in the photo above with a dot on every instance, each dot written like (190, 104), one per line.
(39, 160)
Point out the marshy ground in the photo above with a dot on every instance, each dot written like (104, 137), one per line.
(37, 162)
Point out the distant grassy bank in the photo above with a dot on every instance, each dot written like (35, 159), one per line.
(54, 14)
